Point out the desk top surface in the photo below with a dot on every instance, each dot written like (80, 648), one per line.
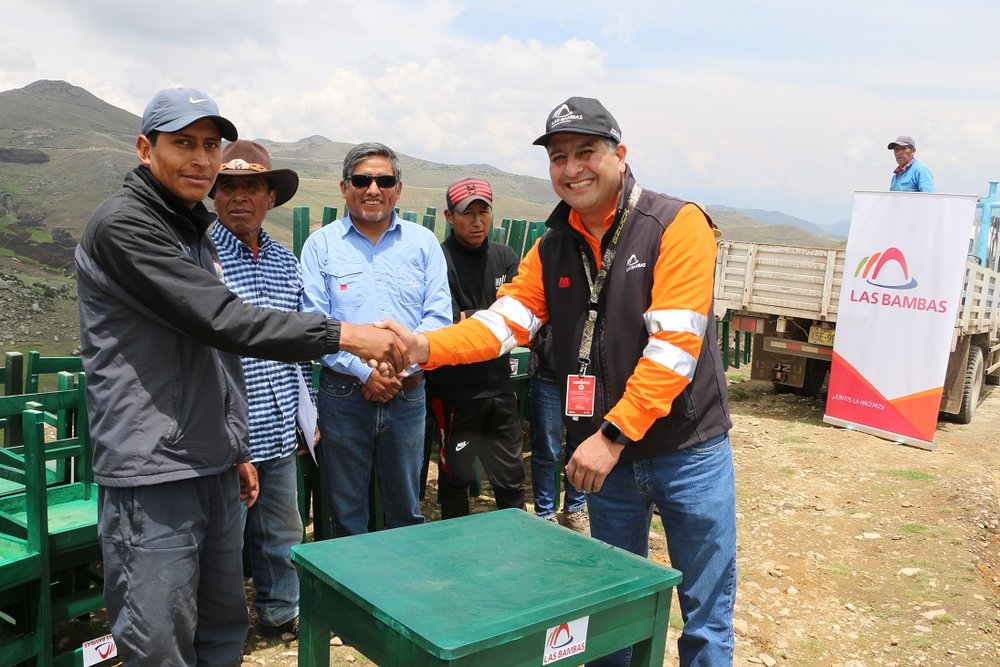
(482, 579)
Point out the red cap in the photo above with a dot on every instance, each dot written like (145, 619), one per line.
(464, 192)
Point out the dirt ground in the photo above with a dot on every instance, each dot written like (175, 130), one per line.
(852, 551)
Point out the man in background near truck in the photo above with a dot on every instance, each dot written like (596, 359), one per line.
(910, 175)
(159, 337)
(625, 277)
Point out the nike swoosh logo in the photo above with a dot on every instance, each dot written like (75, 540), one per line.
(194, 101)
(460, 446)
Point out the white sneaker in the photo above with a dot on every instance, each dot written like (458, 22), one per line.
(578, 521)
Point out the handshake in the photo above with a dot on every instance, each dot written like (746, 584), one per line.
(387, 345)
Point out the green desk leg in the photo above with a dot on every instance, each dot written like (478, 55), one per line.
(650, 652)
(314, 636)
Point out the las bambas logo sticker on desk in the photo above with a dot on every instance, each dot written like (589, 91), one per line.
(565, 640)
(98, 650)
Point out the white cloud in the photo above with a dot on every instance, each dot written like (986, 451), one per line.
(777, 104)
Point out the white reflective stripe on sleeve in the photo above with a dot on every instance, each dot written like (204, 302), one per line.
(518, 313)
(498, 327)
(686, 321)
(670, 356)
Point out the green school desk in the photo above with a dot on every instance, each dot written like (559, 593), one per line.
(497, 589)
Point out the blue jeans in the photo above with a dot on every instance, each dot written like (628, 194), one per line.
(358, 435)
(694, 490)
(274, 528)
(545, 410)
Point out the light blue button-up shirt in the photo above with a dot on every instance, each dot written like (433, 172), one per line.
(347, 277)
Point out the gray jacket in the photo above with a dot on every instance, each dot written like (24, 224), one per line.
(160, 336)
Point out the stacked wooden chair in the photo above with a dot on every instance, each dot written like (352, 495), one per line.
(52, 469)
(24, 571)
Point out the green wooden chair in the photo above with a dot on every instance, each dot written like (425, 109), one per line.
(535, 231)
(12, 378)
(518, 231)
(73, 546)
(24, 571)
(39, 366)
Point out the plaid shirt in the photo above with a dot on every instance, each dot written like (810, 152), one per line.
(272, 280)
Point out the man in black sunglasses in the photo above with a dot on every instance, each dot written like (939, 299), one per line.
(372, 264)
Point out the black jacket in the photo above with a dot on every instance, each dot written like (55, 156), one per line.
(701, 411)
(160, 334)
(474, 276)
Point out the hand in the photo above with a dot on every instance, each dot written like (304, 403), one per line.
(316, 437)
(591, 463)
(380, 389)
(373, 342)
(249, 487)
(383, 369)
(416, 344)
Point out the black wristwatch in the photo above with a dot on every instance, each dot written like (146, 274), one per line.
(614, 434)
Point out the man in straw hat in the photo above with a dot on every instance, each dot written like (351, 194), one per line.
(264, 273)
(159, 335)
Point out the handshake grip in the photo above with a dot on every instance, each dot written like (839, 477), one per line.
(387, 345)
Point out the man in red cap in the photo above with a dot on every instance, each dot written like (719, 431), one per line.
(474, 406)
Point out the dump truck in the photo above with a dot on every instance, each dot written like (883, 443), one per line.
(787, 297)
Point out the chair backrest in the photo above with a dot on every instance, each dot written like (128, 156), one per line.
(68, 407)
(518, 230)
(12, 377)
(33, 422)
(39, 365)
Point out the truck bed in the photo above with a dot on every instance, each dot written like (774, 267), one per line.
(789, 281)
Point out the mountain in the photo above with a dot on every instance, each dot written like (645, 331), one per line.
(839, 228)
(63, 151)
(736, 224)
(778, 218)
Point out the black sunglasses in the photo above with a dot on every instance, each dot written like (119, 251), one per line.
(364, 181)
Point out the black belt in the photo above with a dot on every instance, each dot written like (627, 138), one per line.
(409, 382)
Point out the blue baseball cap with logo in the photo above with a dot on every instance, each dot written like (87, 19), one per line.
(172, 109)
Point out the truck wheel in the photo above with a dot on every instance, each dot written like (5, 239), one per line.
(815, 376)
(972, 387)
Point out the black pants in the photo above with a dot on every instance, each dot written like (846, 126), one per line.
(487, 428)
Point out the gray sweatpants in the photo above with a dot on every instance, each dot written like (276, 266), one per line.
(173, 571)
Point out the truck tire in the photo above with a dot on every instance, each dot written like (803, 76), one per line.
(973, 385)
(816, 370)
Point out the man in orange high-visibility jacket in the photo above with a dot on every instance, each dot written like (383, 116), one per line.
(624, 276)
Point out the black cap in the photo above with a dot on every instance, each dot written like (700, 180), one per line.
(580, 115)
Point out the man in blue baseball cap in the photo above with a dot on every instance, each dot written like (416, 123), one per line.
(160, 336)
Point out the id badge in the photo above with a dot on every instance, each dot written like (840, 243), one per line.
(580, 395)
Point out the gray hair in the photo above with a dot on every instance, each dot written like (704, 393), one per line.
(362, 152)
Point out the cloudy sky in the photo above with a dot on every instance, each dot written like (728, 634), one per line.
(776, 104)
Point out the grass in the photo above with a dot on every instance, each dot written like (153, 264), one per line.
(738, 394)
(793, 440)
(39, 235)
(839, 570)
(913, 529)
(912, 475)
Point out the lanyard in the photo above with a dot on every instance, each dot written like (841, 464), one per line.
(587, 338)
